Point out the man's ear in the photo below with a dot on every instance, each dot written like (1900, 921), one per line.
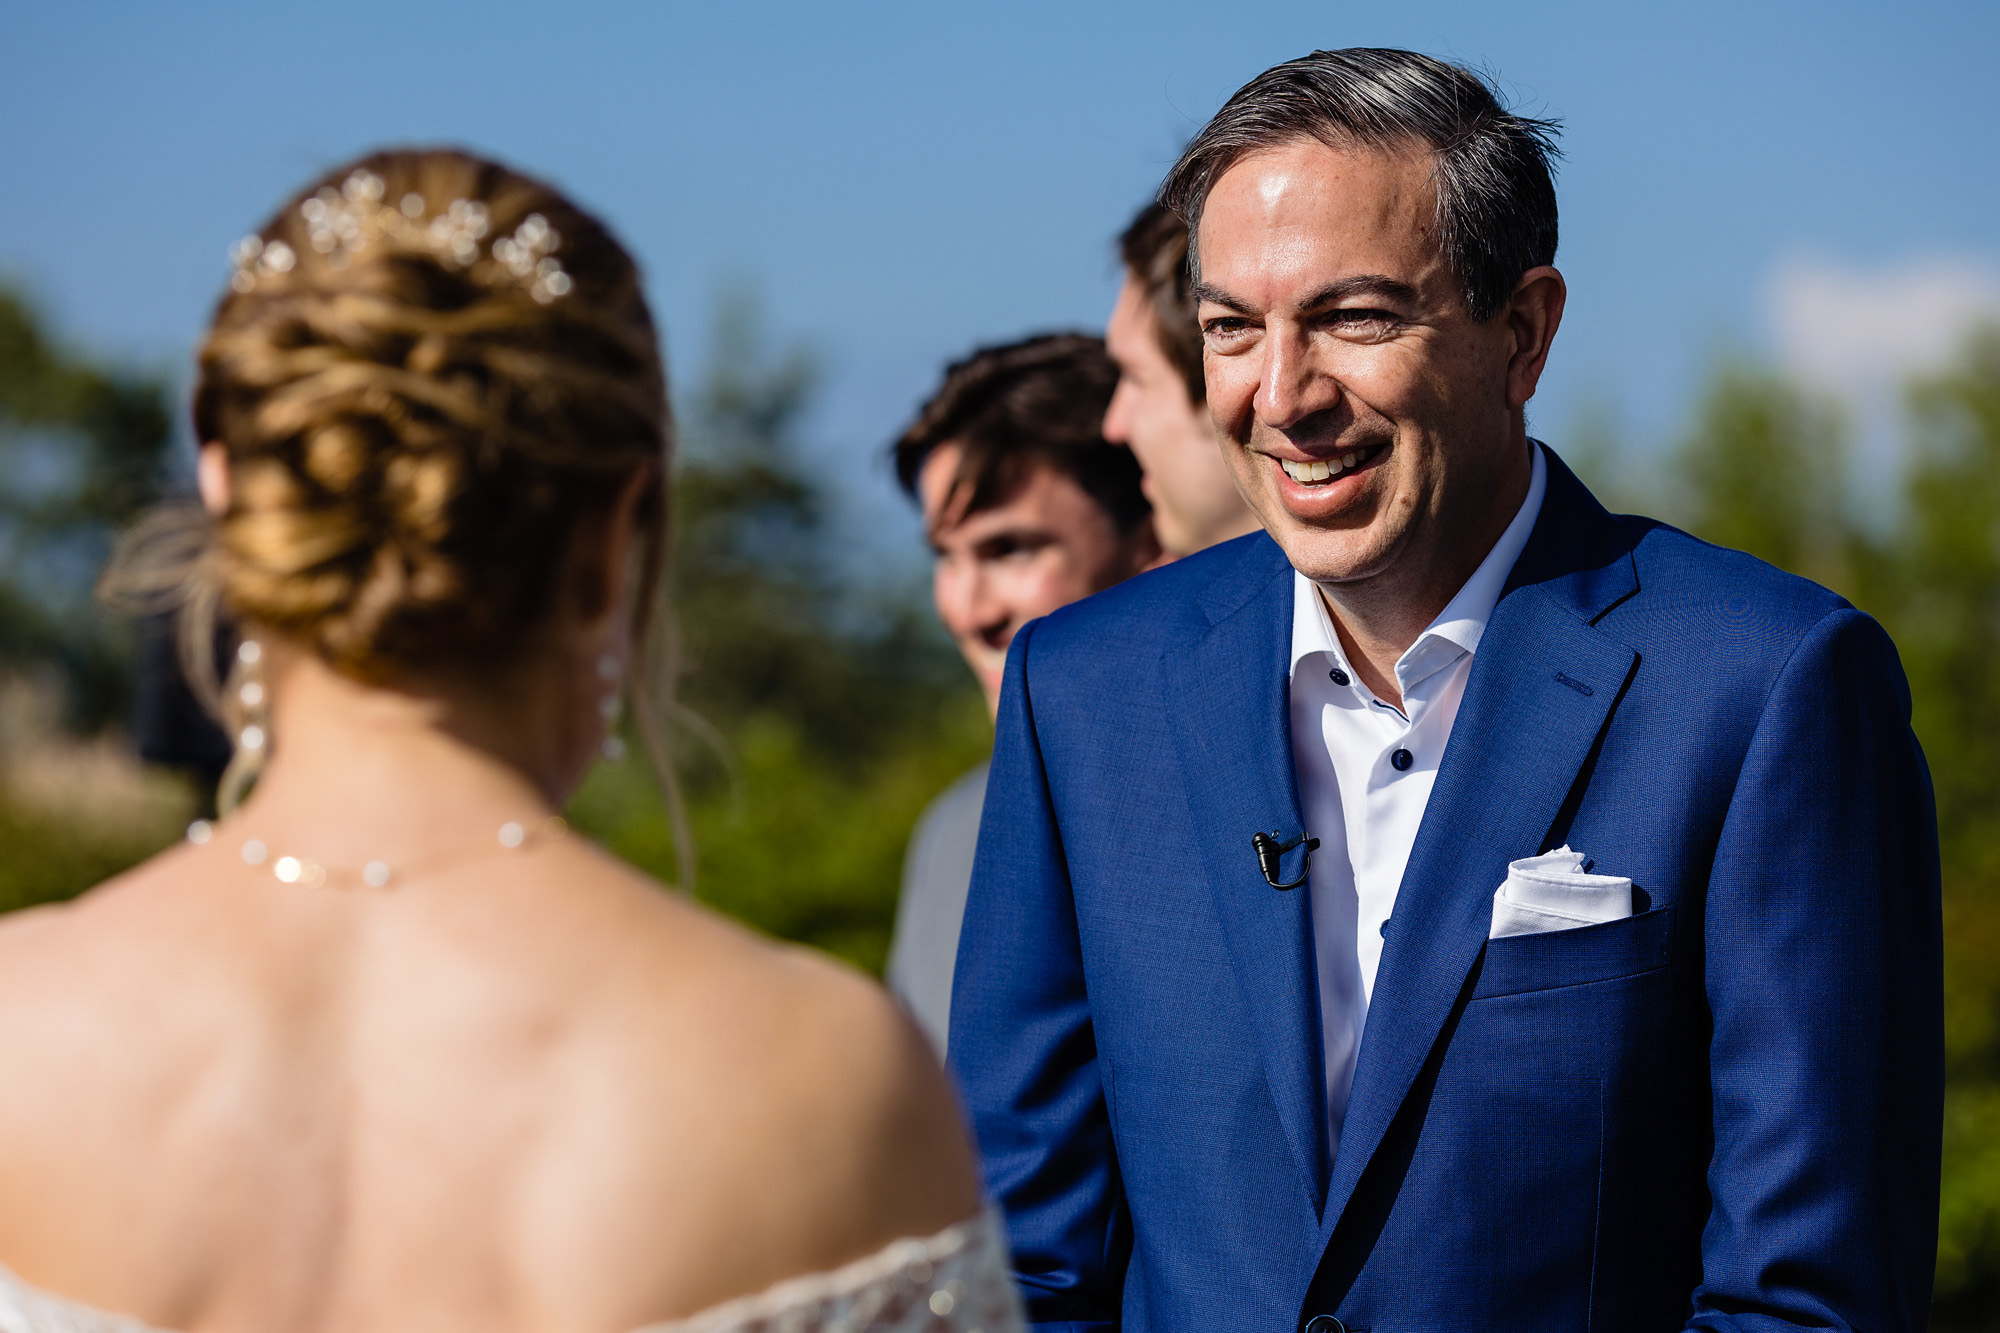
(1532, 315)
(211, 478)
(601, 550)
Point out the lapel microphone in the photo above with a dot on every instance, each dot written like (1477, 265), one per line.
(1269, 849)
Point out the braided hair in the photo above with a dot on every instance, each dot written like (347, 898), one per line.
(428, 371)
(412, 440)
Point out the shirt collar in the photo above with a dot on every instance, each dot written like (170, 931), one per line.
(1458, 628)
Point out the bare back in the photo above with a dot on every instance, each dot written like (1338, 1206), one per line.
(526, 1093)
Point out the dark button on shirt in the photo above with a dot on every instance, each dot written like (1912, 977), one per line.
(1402, 760)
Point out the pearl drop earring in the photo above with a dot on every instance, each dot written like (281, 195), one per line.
(611, 671)
(246, 710)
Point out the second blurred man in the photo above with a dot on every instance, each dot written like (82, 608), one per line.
(1027, 508)
(1160, 410)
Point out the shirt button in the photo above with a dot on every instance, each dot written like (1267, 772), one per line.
(1337, 676)
(1402, 760)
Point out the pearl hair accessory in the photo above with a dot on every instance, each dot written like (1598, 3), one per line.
(512, 836)
(341, 223)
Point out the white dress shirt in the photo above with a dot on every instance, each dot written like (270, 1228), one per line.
(1365, 771)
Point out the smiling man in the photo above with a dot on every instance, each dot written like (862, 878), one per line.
(1027, 508)
(1455, 906)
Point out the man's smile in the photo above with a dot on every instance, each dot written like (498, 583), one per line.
(1319, 472)
(1314, 490)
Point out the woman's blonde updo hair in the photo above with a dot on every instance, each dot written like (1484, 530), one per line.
(415, 424)
(427, 372)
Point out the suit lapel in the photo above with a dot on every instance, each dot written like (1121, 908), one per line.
(1542, 688)
(1228, 688)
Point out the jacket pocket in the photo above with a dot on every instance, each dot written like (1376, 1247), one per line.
(1603, 952)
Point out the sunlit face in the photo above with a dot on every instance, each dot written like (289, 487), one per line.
(1195, 502)
(1043, 547)
(1369, 420)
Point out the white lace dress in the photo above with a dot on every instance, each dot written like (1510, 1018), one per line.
(954, 1282)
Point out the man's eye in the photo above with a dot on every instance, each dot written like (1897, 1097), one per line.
(1362, 320)
(1224, 330)
(1009, 548)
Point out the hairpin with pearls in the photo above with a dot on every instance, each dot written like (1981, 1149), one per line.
(341, 223)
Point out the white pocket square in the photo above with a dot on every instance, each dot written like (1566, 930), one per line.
(1552, 892)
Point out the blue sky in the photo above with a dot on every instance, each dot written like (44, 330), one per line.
(905, 181)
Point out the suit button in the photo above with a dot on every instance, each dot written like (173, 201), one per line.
(1324, 1323)
(1402, 760)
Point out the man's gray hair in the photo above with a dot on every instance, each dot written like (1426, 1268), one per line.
(1490, 169)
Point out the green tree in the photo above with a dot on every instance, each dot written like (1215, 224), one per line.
(841, 708)
(1946, 618)
(83, 449)
(1763, 472)
(773, 623)
(1762, 469)
(1593, 447)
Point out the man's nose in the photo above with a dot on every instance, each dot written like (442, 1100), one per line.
(987, 612)
(965, 599)
(1117, 426)
(1289, 389)
(951, 594)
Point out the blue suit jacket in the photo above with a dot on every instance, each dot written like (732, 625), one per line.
(1722, 1112)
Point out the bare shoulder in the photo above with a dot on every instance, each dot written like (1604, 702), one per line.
(826, 1116)
(35, 945)
(89, 1015)
(878, 1085)
(52, 952)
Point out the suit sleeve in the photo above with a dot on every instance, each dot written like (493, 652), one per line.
(1823, 973)
(1022, 1046)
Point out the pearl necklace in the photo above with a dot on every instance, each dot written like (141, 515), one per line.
(512, 836)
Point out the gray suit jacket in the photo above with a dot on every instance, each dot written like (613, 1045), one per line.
(936, 874)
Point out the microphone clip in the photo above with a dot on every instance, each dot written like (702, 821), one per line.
(1269, 850)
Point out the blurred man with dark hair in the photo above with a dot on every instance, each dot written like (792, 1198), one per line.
(1027, 508)
(1160, 409)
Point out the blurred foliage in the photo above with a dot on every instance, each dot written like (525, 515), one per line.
(840, 710)
(83, 450)
(47, 856)
(773, 622)
(1762, 469)
(1941, 600)
(810, 847)
(841, 707)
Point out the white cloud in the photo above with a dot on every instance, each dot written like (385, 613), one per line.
(1859, 331)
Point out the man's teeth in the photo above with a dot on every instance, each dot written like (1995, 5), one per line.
(1307, 474)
